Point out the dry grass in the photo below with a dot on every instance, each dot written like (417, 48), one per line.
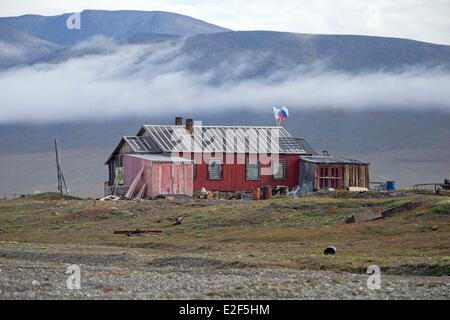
(283, 232)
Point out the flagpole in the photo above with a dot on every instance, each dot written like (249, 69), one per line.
(275, 116)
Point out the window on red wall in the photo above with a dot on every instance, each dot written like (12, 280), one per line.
(253, 171)
(333, 185)
(321, 178)
(215, 170)
(194, 171)
(336, 178)
(279, 170)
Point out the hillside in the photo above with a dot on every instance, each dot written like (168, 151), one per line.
(20, 48)
(266, 52)
(118, 25)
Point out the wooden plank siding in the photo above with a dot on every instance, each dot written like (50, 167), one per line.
(160, 177)
(348, 175)
(234, 176)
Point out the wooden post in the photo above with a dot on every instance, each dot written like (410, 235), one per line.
(58, 171)
(60, 175)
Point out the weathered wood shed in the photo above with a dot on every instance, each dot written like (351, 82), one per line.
(158, 174)
(324, 172)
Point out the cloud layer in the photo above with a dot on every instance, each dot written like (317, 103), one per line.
(9, 51)
(142, 80)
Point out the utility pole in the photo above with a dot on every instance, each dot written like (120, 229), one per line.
(61, 180)
(58, 169)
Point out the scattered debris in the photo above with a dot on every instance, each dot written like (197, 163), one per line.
(130, 191)
(141, 192)
(280, 190)
(110, 198)
(357, 189)
(213, 195)
(381, 214)
(178, 220)
(137, 231)
(434, 228)
(267, 192)
(35, 283)
(235, 196)
(203, 193)
(330, 250)
(399, 209)
(296, 192)
(365, 217)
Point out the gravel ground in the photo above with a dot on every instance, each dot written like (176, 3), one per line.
(37, 274)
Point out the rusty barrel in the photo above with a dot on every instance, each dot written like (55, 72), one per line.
(267, 192)
(256, 194)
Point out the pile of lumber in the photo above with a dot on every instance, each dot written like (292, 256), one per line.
(137, 231)
(213, 195)
(381, 214)
(130, 192)
(110, 198)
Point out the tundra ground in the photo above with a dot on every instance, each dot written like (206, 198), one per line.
(225, 249)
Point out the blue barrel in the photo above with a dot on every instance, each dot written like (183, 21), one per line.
(390, 185)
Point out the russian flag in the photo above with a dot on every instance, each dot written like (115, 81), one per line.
(281, 113)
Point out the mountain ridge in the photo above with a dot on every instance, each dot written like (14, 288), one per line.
(117, 25)
(211, 45)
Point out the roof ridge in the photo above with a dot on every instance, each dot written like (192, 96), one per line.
(215, 126)
(279, 140)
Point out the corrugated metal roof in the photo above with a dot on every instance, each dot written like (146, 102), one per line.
(330, 160)
(139, 144)
(226, 139)
(305, 146)
(160, 158)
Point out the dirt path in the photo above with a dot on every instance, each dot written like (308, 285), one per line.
(33, 272)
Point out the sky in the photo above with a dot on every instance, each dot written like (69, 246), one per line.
(424, 20)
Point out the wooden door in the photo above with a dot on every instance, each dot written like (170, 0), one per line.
(179, 181)
(166, 179)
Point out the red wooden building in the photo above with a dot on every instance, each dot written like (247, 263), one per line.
(182, 159)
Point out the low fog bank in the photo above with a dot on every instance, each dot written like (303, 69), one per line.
(107, 81)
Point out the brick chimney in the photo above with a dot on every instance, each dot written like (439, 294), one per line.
(178, 121)
(190, 125)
